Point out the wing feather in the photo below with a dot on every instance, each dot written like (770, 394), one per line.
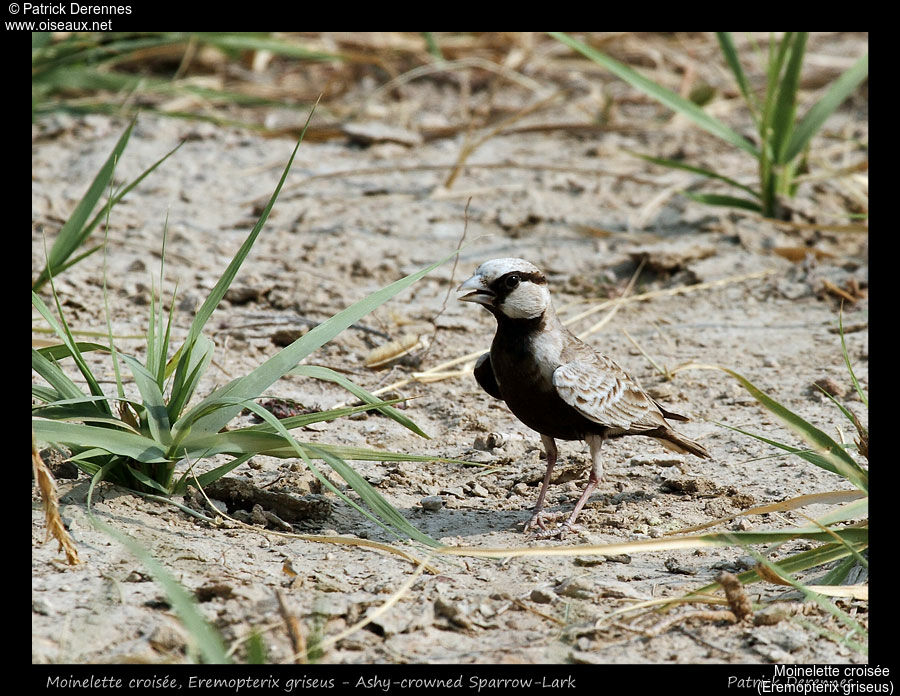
(602, 392)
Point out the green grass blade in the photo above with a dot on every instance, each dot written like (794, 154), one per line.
(303, 419)
(253, 384)
(70, 235)
(823, 445)
(819, 113)
(56, 378)
(724, 201)
(121, 194)
(62, 351)
(859, 390)
(146, 480)
(786, 101)
(819, 599)
(79, 410)
(661, 94)
(62, 330)
(372, 498)
(199, 357)
(812, 456)
(221, 287)
(323, 373)
(675, 164)
(208, 477)
(843, 409)
(373, 455)
(206, 639)
(76, 259)
(154, 403)
(45, 394)
(731, 58)
(137, 447)
(262, 438)
(827, 553)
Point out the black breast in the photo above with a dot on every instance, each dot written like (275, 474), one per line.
(529, 394)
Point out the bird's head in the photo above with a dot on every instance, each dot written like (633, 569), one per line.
(513, 288)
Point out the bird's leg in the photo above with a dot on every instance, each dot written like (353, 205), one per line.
(537, 519)
(595, 442)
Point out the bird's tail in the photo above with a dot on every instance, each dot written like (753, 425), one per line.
(677, 442)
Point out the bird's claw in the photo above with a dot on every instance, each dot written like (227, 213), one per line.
(559, 532)
(540, 519)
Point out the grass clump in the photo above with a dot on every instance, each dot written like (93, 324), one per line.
(783, 138)
(138, 443)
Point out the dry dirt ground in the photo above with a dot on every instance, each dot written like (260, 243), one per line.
(579, 206)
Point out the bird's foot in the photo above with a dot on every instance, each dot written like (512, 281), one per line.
(559, 531)
(541, 519)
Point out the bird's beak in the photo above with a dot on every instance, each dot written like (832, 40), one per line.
(477, 291)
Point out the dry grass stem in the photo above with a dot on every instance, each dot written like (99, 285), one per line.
(49, 497)
(294, 629)
(736, 595)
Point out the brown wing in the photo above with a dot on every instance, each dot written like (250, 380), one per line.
(602, 392)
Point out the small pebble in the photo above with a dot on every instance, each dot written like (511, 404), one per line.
(432, 503)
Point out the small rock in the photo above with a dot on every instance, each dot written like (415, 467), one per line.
(542, 595)
(619, 590)
(432, 503)
(588, 561)
(477, 489)
(489, 441)
(41, 606)
(576, 588)
(673, 565)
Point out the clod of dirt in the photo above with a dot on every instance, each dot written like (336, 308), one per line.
(243, 295)
(542, 595)
(670, 257)
(285, 337)
(673, 565)
(829, 386)
(56, 460)
(700, 487)
(214, 590)
(244, 495)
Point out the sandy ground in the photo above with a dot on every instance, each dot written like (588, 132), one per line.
(577, 205)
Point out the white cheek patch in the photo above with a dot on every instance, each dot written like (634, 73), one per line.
(526, 302)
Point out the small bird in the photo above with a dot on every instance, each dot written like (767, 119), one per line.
(556, 384)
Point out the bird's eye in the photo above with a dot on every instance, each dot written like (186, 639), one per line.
(512, 281)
